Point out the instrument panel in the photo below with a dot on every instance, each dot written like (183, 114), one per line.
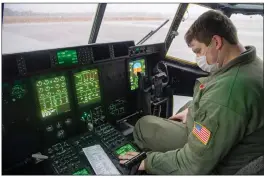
(53, 95)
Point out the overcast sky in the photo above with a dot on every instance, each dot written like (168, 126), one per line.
(162, 8)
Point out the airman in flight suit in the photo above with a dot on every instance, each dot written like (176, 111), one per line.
(222, 129)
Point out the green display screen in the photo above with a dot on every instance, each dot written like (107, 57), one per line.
(81, 172)
(134, 68)
(67, 57)
(52, 96)
(87, 86)
(124, 149)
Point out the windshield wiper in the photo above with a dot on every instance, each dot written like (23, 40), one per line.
(151, 33)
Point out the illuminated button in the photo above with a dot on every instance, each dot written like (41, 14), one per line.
(46, 82)
(59, 125)
(62, 79)
(65, 144)
(18, 91)
(68, 121)
(47, 88)
(56, 80)
(50, 151)
(60, 134)
(49, 128)
(82, 119)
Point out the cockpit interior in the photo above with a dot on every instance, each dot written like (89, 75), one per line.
(71, 110)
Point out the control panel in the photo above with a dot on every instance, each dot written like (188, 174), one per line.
(16, 93)
(140, 50)
(63, 100)
(110, 137)
(21, 65)
(85, 55)
(65, 157)
(54, 106)
(117, 107)
(68, 158)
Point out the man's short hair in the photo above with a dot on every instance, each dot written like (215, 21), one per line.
(212, 23)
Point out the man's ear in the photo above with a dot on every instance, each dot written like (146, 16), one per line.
(218, 41)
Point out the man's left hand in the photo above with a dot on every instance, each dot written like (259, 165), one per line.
(128, 156)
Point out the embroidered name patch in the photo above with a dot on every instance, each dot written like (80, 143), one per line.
(201, 132)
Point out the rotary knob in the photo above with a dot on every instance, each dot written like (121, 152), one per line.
(49, 128)
(60, 134)
(68, 121)
(59, 125)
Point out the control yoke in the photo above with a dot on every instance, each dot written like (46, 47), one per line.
(152, 94)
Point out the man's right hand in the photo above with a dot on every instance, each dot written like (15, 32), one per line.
(182, 116)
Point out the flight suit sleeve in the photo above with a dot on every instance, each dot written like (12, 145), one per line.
(202, 152)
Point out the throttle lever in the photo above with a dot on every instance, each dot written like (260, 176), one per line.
(135, 160)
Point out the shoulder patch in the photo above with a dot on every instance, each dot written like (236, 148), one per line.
(201, 132)
(202, 86)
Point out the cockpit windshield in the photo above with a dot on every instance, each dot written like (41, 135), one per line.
(29, 27)
(249, 28)
(134, 21)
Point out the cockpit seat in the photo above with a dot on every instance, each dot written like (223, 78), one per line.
(255, 167)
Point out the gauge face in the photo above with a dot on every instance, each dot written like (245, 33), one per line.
(52, 96)
(18, 92)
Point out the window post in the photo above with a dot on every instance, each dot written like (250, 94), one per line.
(175, 25)
(97, 22)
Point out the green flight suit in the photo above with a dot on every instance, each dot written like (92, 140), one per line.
(224, 129)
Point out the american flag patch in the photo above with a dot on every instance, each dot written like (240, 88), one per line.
(202, 133)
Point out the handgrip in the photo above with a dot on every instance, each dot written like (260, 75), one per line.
(135, 160)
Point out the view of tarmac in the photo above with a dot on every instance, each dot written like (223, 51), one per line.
(30, 33)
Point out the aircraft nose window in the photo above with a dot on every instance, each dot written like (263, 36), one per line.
(28, 27)
(134, 21)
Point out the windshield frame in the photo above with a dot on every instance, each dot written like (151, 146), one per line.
(98, 18)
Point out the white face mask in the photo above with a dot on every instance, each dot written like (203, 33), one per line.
(202, 63)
